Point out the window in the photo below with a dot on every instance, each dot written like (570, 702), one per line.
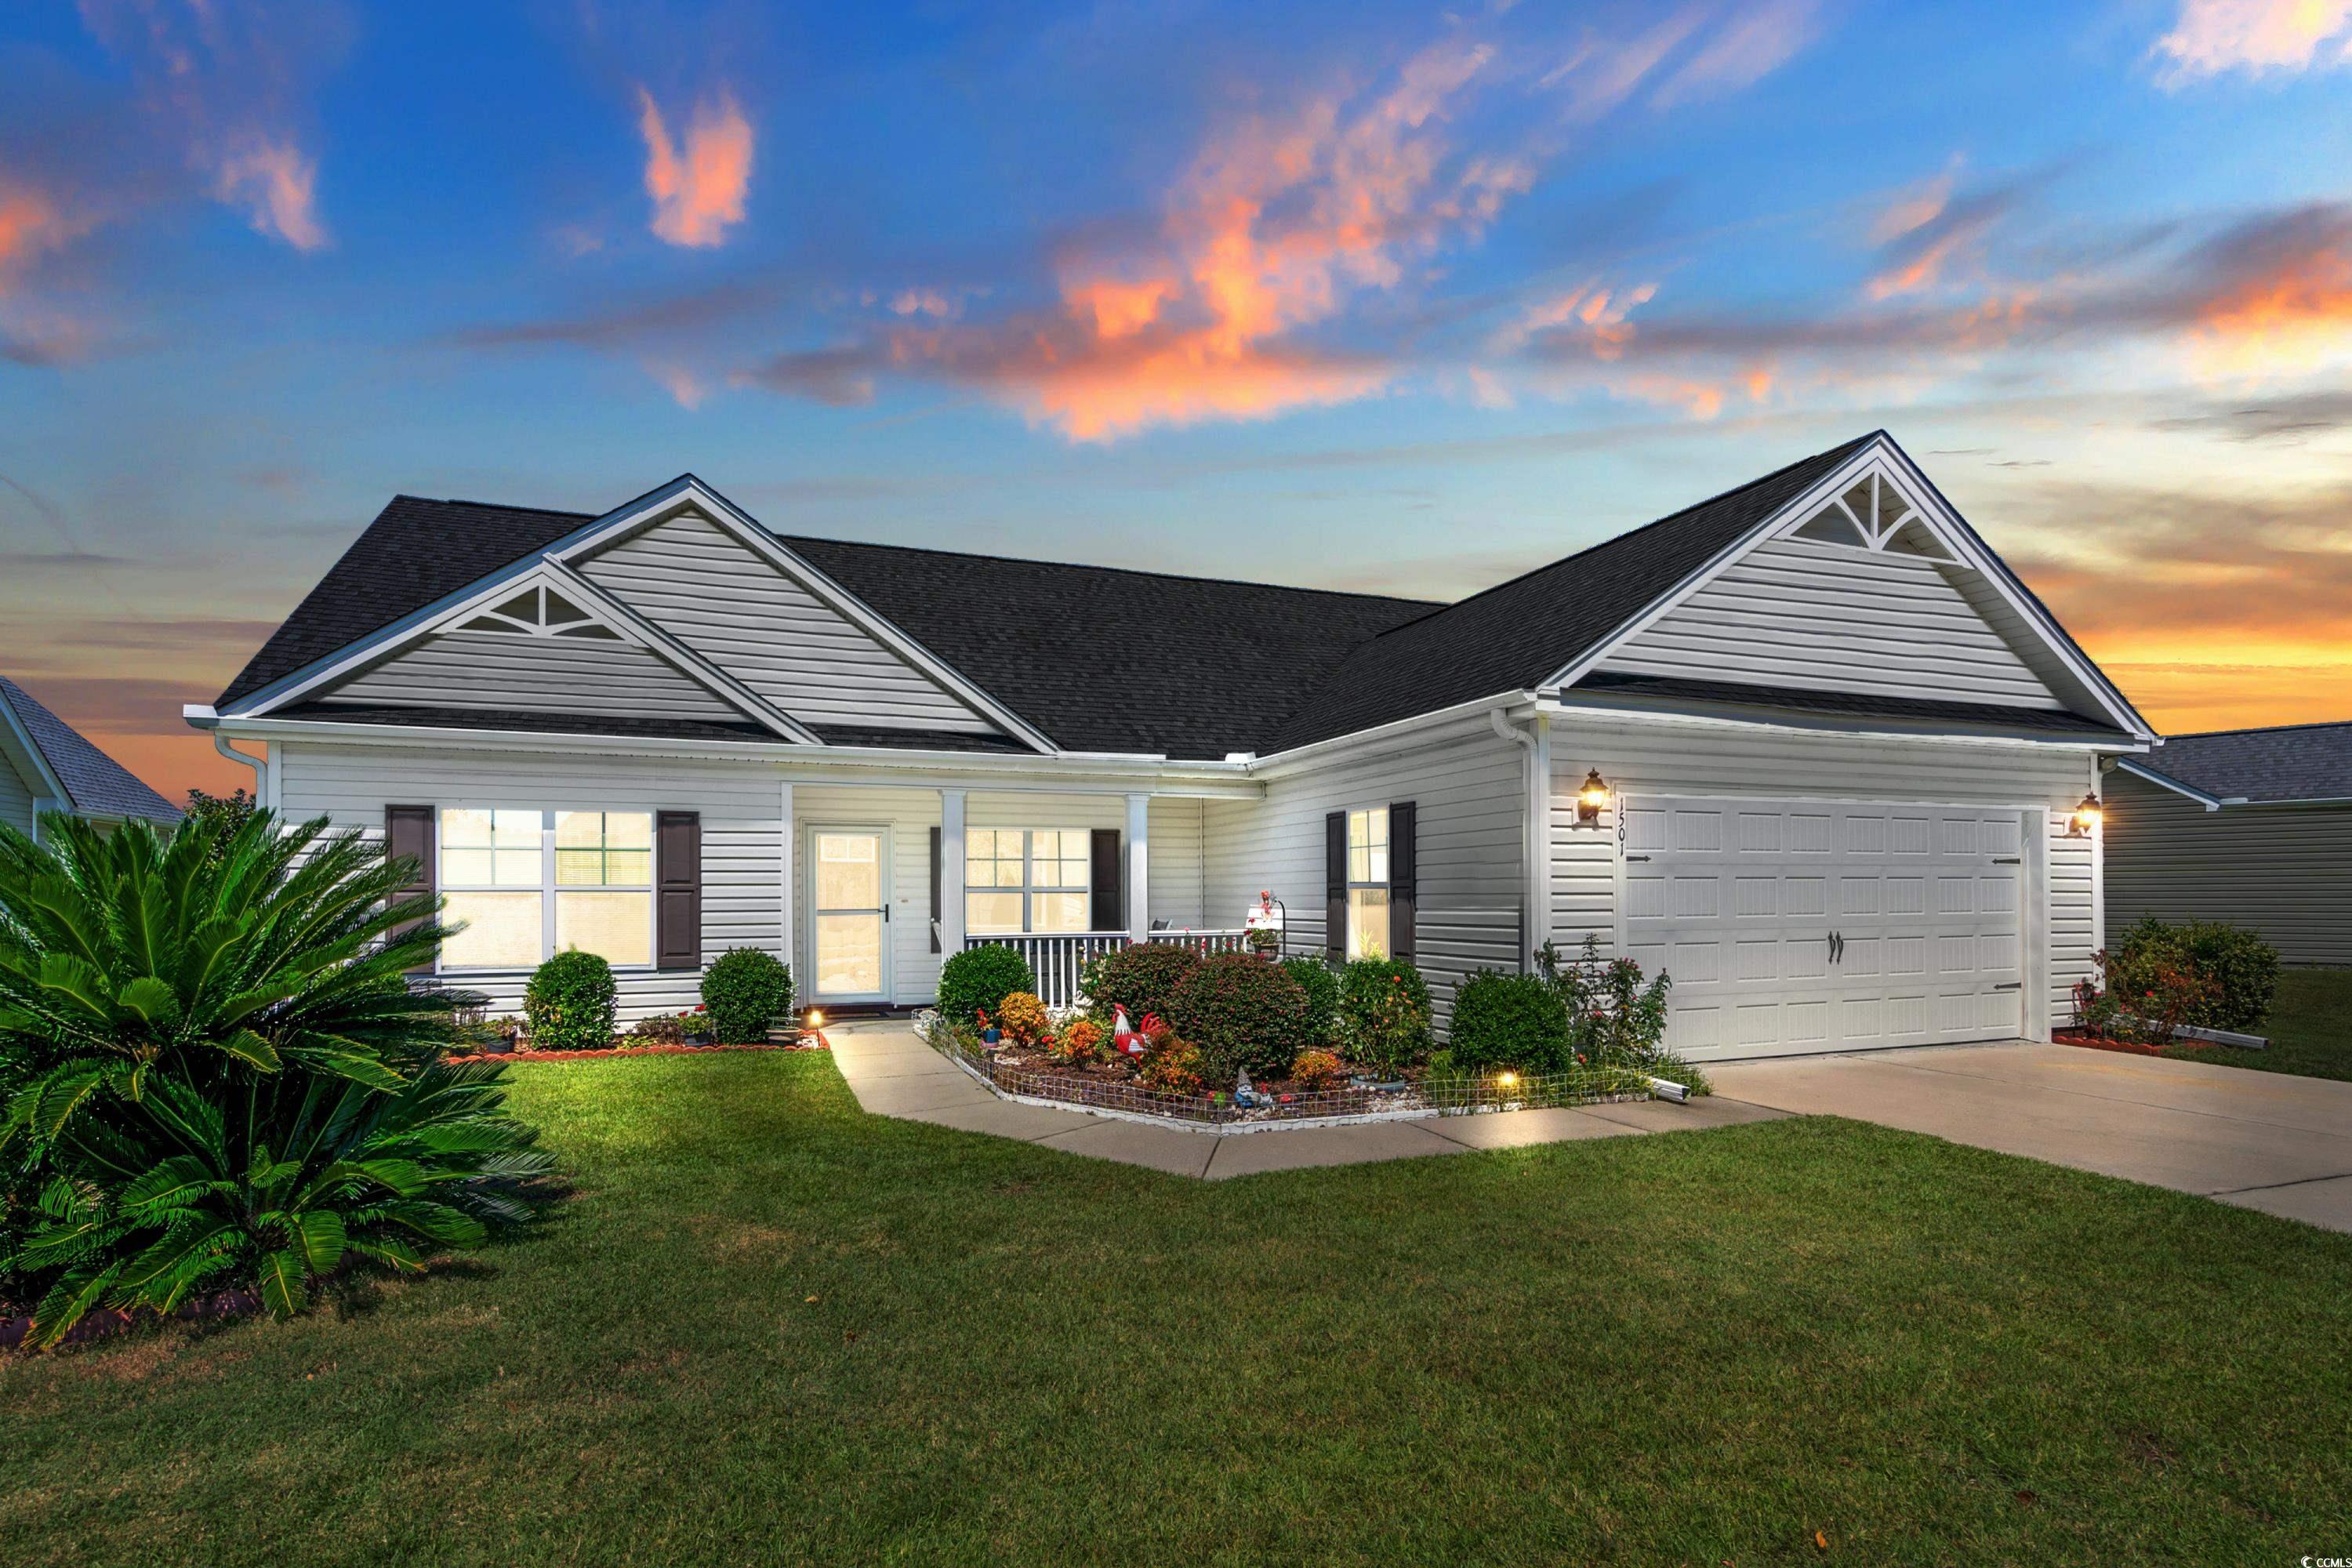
(529, 884)
(1368, 883)
(1034, 879)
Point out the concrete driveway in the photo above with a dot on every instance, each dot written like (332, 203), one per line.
(2265, 1140)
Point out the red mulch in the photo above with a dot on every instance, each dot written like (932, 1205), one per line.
(105, 1323)
(2098, 1043)
(803, 1044)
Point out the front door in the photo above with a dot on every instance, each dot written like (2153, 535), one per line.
(850, 902)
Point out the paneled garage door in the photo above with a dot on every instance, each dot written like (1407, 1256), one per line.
(1792, 925)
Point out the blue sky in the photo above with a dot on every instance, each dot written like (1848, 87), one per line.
(1374, 296)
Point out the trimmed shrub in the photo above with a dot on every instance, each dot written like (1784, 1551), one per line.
(1022, 1018)
(1322, 988)
(1384, 1014)
(1318, 1069)
(1080, 1043)
(2242, 967)
(569, 1003)
(979, 979)
(745, 991)
(1171, 1065)
(1241, 1012)
(1509, 1021)
(1141, 977)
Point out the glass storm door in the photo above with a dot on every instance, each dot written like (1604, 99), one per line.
(851, 905)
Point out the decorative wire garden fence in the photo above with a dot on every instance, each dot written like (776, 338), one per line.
(1466, 1095)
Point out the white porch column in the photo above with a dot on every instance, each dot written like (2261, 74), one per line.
(1138, 867)
(787, 835)
(950, 873)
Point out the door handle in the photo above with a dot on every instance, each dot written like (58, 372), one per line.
(1837, 948)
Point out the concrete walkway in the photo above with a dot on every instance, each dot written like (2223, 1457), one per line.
(2264, 1141)
(894, 1074)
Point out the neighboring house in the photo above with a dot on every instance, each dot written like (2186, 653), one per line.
(47, 765)
(2253, 827)
(1838, 748)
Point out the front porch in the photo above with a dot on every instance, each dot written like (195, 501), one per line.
(882, 882)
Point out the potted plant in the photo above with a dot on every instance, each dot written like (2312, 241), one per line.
(1266, 942)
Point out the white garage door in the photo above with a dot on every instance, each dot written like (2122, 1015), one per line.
(1792, 925)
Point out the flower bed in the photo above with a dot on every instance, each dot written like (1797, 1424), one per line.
(1030, 1074)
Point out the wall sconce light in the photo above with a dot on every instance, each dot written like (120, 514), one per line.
(2086, 820)
(815, 1018)
(1590, 796)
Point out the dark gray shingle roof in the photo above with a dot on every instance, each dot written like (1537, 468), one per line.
(1518, 634)
(96, 784)
(2291, 762)
(1104, 658)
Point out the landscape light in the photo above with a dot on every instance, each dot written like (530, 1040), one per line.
(1592, 797)
(816, 1017)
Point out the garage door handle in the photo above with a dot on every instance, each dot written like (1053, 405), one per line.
(2009, 860)
(1637, 857)
(1837, 948)
(2011, 986)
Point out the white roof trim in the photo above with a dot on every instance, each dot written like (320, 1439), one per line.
(625, 519)
(2165, 780)
(56, 786)
(634, 628)
(1933, 510)
(735, 521)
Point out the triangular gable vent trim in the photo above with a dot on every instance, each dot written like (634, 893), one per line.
(1926, 513)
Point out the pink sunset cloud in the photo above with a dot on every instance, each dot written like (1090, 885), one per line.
(697, 189)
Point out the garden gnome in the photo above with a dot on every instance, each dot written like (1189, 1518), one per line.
(1242, 1093)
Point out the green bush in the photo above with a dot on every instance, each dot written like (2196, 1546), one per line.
(221, 1077)
(570, 1004)
(1241, 1012)
(1509, 1021)
(2243, 968)
(1141, 977)
(744, 991)
(979, 979)
(1384, 1014)
(1322, 988)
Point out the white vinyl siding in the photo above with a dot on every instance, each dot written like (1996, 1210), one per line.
(1693, 758)
(687, 577)
(498, 672)
(1823, 616)
(1470, 788)
(1177, 895)
(2284, 870)
(16, 781)
(739, 806)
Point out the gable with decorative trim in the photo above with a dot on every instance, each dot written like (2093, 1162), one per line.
(1859, 591)
(749, 618)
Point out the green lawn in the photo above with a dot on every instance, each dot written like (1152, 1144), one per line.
(2310, 1029)
(768, 1328)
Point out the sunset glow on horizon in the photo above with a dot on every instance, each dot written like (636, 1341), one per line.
(1390, 298)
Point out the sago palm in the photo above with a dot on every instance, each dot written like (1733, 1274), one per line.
(219, 1073)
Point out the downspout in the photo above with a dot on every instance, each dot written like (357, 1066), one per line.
(1531, 837)
(260, 768)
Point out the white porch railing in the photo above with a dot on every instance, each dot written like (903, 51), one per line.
(1058, 956)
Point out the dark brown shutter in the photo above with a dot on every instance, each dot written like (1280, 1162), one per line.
(408, 836)
(1335, 887)
(936, 908)
(1404, 891)
(677, 889)
(1110, 908)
